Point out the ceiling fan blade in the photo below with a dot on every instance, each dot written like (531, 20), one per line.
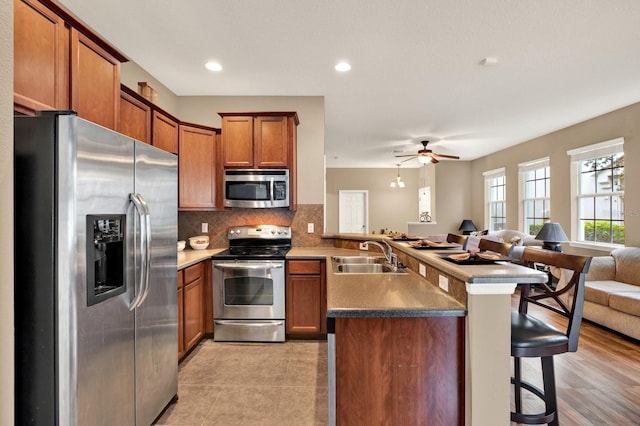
(408, 155)
(433, 160)
(408, 159)
(455, 157)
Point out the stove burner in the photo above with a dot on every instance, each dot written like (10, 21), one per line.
(257, 251)
(263, 242)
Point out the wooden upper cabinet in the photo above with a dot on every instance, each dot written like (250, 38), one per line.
(197, 168)
(258, 139)
(165, 132)
(41, 58)
(60, 63)
(271, 142)
(135, 118)
(95, 82)
(237, 141)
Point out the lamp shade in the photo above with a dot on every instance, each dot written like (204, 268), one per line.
(551, 235)
(467, 226)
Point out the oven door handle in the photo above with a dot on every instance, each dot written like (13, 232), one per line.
(252, 266)
(253, 323)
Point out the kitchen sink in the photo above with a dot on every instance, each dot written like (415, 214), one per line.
(359, 259)
(363, 265)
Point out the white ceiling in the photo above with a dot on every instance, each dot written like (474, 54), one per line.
(416, 64)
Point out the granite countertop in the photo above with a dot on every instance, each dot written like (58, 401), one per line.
(379, 295)
(189, 257)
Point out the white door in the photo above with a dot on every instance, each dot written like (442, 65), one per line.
(353, 208)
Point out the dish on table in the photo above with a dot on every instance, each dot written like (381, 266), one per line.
(405, 237)
(482, 258)
(433, 245)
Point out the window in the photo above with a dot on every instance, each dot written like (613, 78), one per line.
(535, 178)
(600, 192)
(495, 199)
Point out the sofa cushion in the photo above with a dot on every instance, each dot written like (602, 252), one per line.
(626, 301)
(627, 264)
(601, 291)
(602, 268)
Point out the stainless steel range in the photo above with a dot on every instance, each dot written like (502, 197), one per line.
(248, 285)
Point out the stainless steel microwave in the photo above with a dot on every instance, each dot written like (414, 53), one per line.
(256, 188)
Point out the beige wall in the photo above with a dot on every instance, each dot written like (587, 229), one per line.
(393, 209)
(388, 207)
(131, 74)
(621, 123)
(6, 212)
(310, 109)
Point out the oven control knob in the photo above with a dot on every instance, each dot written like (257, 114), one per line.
(273, 231)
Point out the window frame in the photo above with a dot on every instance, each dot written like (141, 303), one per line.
(523, 169)
(490, 176)
(577, 157)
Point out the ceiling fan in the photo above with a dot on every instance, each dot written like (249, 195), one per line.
(425, 155)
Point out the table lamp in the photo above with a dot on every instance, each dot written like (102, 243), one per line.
(551, 236)
(467, 227)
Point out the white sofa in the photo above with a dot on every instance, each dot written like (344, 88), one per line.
(612, 291)
(515, 237)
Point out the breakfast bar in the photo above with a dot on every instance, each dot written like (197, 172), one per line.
(431, 298)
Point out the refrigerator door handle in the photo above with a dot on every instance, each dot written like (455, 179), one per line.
(146, 263)
(139, 287)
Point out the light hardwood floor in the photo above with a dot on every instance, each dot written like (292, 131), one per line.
(597, 385)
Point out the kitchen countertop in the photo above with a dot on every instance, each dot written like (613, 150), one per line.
(189, 257)
(379, 295)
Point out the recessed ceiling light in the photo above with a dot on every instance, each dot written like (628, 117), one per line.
(213, 66)
(343, 66)
(488, 61)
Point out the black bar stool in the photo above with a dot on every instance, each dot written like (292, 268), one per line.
(531, 337)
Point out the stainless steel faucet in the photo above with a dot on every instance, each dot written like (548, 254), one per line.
(392, 258)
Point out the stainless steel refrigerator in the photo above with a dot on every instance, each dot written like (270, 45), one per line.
(95, 274)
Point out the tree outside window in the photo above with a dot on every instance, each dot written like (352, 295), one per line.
(601, 199)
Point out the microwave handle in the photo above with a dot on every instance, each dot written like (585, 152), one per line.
(272, 194)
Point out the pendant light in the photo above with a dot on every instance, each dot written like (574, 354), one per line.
(397, 183)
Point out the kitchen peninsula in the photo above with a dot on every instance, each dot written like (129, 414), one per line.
(400, 321)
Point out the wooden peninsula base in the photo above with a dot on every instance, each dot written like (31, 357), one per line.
(400, 371)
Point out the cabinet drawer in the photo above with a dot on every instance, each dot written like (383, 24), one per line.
(192, 273)
(304, 267)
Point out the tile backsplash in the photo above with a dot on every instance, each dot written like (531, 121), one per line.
(189, 223)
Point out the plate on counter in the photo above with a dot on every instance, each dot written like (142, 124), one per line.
(478, 259)
(431, 245)
(406, 238)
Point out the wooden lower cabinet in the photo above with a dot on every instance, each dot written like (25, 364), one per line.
(191, 306)
(306, 298)
(180, 314)
(400, 371)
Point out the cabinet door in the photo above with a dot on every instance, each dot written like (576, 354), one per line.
(271, 142)
(306, 297)
(165, 132)
(41, 58)
(193, 317)
(180, 314)
(135, 118)
(95, 82)
(237, 141)
(197, 171)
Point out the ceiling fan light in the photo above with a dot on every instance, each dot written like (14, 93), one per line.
(424, 159)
